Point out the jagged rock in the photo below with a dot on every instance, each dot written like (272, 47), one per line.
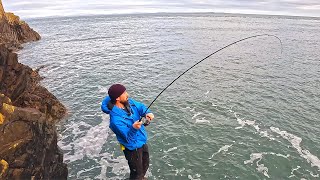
(13, 31)
(1, 10)
(28, 111)
(28, 144)
(21, 84)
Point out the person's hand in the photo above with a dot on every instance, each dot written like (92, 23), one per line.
(137, 124)
(149, 116)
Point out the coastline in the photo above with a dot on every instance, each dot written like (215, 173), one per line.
(28, 111)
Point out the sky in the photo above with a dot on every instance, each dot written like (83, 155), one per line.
(45, 8)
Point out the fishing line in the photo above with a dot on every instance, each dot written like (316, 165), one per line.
(250, 37)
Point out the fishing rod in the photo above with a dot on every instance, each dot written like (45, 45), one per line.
(250, 37)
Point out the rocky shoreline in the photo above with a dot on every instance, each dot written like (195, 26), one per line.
(28, 111)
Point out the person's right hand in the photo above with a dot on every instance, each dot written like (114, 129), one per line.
(137, 124)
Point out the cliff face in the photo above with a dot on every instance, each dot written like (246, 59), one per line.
(1, 10)
(13, 31)
(28, 111)
(21, 84)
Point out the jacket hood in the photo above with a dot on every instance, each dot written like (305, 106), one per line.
(109, 108)
(104, 105)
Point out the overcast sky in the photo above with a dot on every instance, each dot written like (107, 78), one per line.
(42, 8)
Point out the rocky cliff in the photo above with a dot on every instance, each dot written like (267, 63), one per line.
(28, 111)
(1, 10)
(13, 31)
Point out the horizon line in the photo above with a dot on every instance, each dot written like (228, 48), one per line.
(163, 13)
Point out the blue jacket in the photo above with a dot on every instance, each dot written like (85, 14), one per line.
(121, 123)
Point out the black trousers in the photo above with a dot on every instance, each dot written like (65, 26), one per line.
(138, 161)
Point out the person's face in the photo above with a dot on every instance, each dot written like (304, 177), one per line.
(123, 98)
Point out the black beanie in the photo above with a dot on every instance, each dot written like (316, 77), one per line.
(115, 91)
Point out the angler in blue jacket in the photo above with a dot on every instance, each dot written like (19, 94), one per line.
(124, 122)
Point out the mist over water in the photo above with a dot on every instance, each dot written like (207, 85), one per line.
(248, 112)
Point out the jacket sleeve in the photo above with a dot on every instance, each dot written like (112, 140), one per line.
(104, 105)
(142, 109)
(126, 132)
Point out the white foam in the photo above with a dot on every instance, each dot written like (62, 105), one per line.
(83, 171)
(295, 142)
(103, 89)
(266, 134)
(246, 122)
(197, 177)
(195, 115)
(192, 109)
(89, 145)
(67, 147)
(75, 128)
(171, 149)
(313, 175)
(215, 164)
(119, 166)
(203, 121)
(224, 148)
(281, 155)
(206, 93)
(262, 133)
(178, 171)
(253, 157)
(261, 167)
(294, 169)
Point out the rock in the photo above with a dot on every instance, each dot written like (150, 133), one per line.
(28, 144)
(1, 10)
(1, 72)
(12, 59)
(3, 168)
(21, 161)
(22, 86)
(28, 111)
(13, 31)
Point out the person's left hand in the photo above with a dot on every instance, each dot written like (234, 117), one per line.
(149, 116)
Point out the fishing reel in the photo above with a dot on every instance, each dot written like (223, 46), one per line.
(145, 121)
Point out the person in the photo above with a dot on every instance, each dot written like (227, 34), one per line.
(125, 114)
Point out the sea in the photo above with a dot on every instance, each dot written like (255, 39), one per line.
(250, 111)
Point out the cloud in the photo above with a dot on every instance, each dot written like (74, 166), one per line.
(40, 8)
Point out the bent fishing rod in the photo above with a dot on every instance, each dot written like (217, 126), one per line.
(250, 37)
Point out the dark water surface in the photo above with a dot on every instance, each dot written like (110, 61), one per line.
(248, 112)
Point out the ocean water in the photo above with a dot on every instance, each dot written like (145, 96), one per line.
(249, 112)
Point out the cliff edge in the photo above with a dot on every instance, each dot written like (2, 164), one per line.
(28, 111)
(13, 31)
